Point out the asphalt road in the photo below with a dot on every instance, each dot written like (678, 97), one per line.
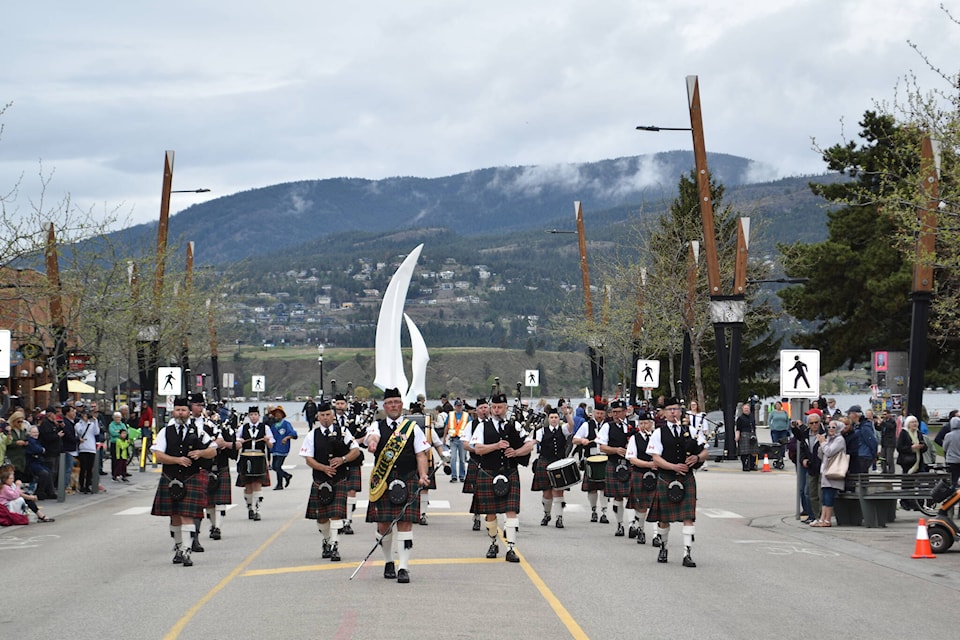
(103, 570)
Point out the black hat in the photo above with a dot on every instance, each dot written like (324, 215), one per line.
(481, 401)
(340, 396)
(181, 402)
(618, 404)
(253, 409)
(197, 398)
(391, 393)
(669, 402)
(599, 405)
(551, 410)
(324, 406)
(499, 398)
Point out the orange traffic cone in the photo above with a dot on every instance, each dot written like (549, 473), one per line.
(922, 548)
(766, 463)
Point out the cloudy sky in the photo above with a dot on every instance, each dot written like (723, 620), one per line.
(251, 93)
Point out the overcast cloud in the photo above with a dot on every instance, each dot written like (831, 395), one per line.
(250, 93)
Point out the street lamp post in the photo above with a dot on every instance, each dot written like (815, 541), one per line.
(320, 362)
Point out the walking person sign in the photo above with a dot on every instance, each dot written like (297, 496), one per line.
(799, 373)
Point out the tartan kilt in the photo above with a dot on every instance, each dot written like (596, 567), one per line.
(264, 479)
(748, 446)
(192, 504)
(470, 482)
(484, 500)
(336, 510)
(613, 488)
(541, 479)
(592, 485)
(640, 498)
(662, 510)
(385, 511)
(224, 492)
(353, 479)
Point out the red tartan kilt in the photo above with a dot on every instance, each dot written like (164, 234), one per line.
(640, 498)
(613, 488)
(541, 479)
(336, 510)
(193, 503)
(224, 492)
(662, 510)
(264, 479)
(470, 482)
(484, 500)
(385, 511)
(353, 479)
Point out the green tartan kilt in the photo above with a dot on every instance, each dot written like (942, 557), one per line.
(485, 501)
(353, 479)
(264, 479)
(336, 510)
(470, 482)
(640, 498)
(662, 510)
(385, 511)
(193, 503)
(224, 491)
(541, 479)
(613, 488)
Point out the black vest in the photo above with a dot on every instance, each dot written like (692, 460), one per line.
(178, 449)
(641, 440)
(676, 450)
(496, 460)
(246, 433)
(407, 460)
(552, 445)
(205, 463)
(616, 437)
(327, 447)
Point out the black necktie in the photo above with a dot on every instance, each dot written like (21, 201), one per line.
(393, 425)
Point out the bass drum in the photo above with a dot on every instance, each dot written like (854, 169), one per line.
(563, 473)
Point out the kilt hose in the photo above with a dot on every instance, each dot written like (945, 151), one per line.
(662, 510)
(470, 482)
(541, 479)
(640, 498)
(224, 491)
(486, 502)
(613, 488)
(192, 504)
(336, 510)
(385, 511)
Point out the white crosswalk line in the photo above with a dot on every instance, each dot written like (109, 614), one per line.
(718, 513)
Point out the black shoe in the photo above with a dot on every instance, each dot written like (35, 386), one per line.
(423, 519)
(215, 534)
(603, 519)
(632, 532)
(256, 517)
(619, 532)
(326, 550)
(335, 554)
(250, 514)
(641, 537)
(195, 546)
(279, 486)
(662, 557)
(389, 571)
(476, 525)
(286, 480)
(103, 473)
(656, 540)
(688, 561)
(593, 517)
(403, 577)
(512, 556)
(493, 550)
(452, 480)
(545, 521)
(347, 530)
(177, 555)
(187, 562)
(559, 524)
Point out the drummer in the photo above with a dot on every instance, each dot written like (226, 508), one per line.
(586, 440)
(254, 439)
(552, 440)
(470, 482)
(612, 439)
(643, 480)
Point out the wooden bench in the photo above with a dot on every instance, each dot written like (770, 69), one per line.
(870, 499)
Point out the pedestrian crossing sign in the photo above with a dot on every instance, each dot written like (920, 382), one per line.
(169, 381)
(648, 374)
(800, 373)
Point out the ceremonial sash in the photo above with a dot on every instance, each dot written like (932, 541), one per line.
(388, 456)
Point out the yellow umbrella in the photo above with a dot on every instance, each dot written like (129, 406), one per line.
(73, 386)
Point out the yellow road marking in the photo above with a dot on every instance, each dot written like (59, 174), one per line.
(353, 565)
(178, 628)
(559, 609)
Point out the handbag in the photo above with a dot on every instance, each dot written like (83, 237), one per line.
(837, 466)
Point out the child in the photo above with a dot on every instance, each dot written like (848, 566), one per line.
(121, 455)
(14, 499)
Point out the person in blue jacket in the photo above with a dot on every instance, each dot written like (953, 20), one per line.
(283, 433)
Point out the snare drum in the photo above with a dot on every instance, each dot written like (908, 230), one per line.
(252, 463)
(597, 468)
(563, 473)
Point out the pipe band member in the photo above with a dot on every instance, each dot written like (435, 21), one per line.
(586, 440)
(553, 446)
(255, 439)
(612, 439)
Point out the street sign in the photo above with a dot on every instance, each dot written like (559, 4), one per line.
(170, 400)
(5, 353)
(648, 374)
(227, 381)
(169, 381)
(531, 378)
(800, 373)
(258, 384)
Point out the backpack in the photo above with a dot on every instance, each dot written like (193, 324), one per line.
(7, 518)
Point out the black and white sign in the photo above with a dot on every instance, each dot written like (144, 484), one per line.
(169, 381)
(531, 378)
(799, 373)
(258, 384)
(648, 374)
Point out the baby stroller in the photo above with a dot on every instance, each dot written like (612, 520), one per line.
(775, 453)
